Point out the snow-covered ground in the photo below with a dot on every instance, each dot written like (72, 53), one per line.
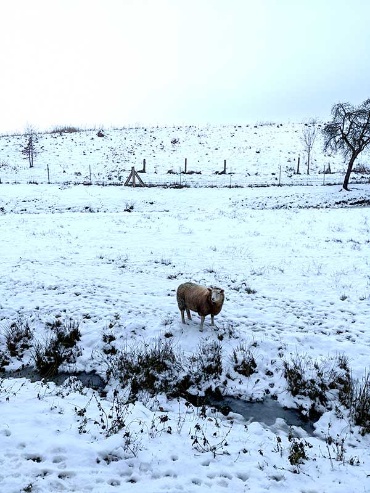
(256, 154)
(294, 264)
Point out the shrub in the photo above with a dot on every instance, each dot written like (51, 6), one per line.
(67, 129)
(361, 168)
(4, 360)
(315, 380)
(250, 290)
(18, 337)
(312, 379)
(153, 368)
(206, 364)
(342, 381)
(203, 442)
(297, 452)
(360, 404)
(58, 348)
(156, 367)
(243, 360)
(48, 356)
(116, 419)
(66, 333)
(108, 339)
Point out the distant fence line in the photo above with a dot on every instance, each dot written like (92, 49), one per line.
(181, 179)
(165, 183)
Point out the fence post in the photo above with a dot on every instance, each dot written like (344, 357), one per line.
(90, 174)
(133, 177)
(279, 175)
(224, 166)
(186, 165)
(299, 159)
(48, 171)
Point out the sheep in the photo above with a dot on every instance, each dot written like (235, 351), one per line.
(204, 301)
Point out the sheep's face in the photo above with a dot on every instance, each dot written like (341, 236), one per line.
(216, 294)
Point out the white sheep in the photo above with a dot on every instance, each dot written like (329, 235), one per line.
(205, 301)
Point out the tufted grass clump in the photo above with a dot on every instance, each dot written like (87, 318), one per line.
(65, 129)
(157, 367)
(298, 452)
(18, 337)
(243, 360)
(4, 360)
(324, 385)
(319, 381)
(360, 404)
(153, 368)
(59, 347)
(67, 333)
(206, 363)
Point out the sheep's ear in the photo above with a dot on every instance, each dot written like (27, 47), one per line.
(222, 291)
(210, 290)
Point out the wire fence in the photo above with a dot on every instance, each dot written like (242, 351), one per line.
(44, 176)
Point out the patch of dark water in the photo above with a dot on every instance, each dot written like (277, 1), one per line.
(88, 379)
(266, 411)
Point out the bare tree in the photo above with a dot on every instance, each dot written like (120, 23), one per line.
(308, 138)
(30, 148)
(348, 132)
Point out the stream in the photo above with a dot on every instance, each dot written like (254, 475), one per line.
(266, 411)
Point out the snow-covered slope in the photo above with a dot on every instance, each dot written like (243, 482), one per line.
(264, 153)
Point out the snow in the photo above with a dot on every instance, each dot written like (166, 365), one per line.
(294, 263)
(256, 154)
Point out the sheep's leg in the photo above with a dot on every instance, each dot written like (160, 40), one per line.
(201, 323)
(212, 319)
(188, 313)
(182, 316)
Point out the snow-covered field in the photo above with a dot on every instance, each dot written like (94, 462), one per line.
(295, 265)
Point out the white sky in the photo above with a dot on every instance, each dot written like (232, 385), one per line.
(118, 62)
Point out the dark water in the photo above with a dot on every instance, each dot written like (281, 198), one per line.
(266, 412)
(88, 379)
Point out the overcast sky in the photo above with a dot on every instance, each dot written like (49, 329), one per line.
(120, 62)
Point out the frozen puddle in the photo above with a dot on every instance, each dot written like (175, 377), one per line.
(267, 412)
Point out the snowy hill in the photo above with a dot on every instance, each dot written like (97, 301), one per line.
(263, 153)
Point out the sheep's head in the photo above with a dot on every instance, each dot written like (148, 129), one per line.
(216, 294)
